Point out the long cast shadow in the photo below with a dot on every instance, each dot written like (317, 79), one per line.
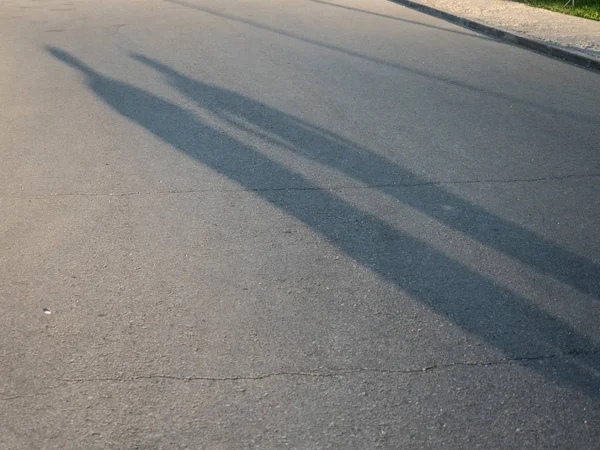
(422, 73)
(370, 168)
(495, 314)
(398, 19)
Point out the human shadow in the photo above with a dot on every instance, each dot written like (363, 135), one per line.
(372, 169)
(551, 111)
(494, 314)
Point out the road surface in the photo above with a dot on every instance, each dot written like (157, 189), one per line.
(292, 224)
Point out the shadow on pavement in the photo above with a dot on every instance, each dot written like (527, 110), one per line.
(419, 72)
(497, 315)
(399, 19)
(361, 164)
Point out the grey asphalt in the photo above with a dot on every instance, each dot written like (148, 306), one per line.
(292, 224)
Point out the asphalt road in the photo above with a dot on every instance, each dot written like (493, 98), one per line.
(292, 224)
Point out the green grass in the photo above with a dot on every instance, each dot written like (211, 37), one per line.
(590, 9)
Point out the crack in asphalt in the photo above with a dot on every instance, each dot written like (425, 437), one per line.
(331, 373)
(17, 397)
(306, 188)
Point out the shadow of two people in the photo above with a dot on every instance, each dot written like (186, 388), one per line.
(498, 316)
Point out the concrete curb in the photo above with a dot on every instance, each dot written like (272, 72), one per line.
(571, 56)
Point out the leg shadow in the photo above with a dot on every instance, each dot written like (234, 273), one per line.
(370, 168)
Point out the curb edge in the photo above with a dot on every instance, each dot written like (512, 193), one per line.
(579, 59)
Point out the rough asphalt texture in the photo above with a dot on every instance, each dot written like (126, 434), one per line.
(285, 224)
(564, 31)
